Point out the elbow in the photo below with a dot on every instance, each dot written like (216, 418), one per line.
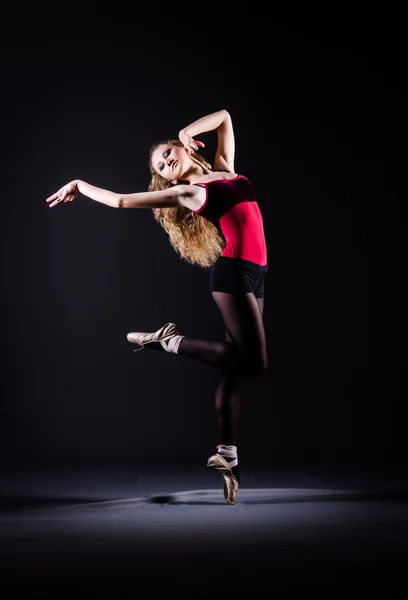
(225, 118)
(120, 202)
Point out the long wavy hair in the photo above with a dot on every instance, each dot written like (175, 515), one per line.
(196, 240)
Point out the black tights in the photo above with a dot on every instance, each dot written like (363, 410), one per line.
(243, 353)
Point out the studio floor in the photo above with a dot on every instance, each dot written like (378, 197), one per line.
(151, 531)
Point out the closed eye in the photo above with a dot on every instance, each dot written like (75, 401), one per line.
(166, 154)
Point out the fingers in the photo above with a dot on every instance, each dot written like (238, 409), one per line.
(190, 144)
(57, 201)
(53, 197)
(54, 200)
(64, 194)
(190, 150)
(57, 198)
(194, 144)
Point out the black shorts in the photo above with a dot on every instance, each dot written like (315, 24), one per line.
(238, 276)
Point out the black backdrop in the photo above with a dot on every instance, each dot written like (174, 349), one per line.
(317, 112)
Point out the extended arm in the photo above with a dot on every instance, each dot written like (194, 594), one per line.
(221, 122)
(161, 199)
(171, 197)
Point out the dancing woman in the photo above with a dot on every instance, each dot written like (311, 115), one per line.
(213, 220)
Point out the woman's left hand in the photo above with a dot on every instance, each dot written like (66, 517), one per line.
(190, 145)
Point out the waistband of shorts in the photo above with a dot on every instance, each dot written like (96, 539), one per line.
(241, 262)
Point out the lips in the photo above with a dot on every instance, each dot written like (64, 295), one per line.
(173, 166)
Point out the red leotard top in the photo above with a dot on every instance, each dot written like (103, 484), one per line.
(232, 207)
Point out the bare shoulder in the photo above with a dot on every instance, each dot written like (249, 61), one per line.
(193, 196)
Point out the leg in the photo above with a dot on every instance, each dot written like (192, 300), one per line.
(243, 320)
(227, 401)
(227, 409)
(246, 352)
(227, 405)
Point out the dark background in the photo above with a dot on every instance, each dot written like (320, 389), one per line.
(318, 112)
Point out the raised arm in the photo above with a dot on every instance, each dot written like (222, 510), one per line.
(174, 196)
(221, 122)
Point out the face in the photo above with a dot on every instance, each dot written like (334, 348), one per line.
(171, 162)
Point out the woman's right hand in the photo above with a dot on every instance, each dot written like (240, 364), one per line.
(190, 146)
(67, 193)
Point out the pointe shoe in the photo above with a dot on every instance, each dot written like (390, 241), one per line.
(230, 482)
(141, 338)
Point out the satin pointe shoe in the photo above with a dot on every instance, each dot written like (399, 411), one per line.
(230, 482)
(140, 338)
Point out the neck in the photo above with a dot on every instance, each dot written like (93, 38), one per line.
(194, 174)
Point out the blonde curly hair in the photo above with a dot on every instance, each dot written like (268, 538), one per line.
(195, 239)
